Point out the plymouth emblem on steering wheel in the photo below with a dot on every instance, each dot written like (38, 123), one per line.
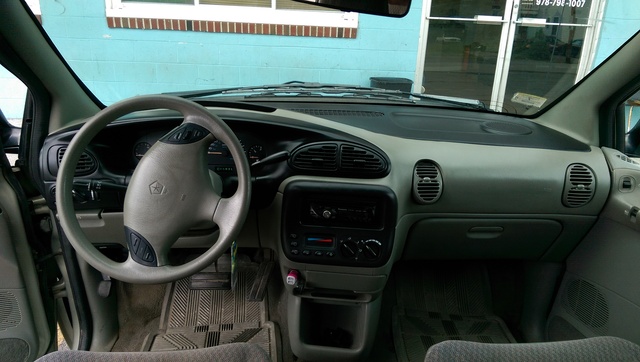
(156, 188)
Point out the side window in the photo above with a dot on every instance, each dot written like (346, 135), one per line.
(13, 94)
(632, 125)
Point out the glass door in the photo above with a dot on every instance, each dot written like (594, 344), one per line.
(513, 55)
(463, 47)
(547, 42)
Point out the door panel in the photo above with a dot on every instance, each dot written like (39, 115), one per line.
(24, 331)
(600, 293)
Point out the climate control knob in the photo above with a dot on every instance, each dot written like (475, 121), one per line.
(349, 248)
(372, 249)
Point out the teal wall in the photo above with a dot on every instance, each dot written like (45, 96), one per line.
(620, 22)
(119, 63)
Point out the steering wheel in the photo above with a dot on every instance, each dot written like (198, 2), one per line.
(171, 190)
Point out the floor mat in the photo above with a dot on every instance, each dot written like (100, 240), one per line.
(443, 303)
(198, 317)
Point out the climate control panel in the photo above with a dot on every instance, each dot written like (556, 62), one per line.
(338, 224)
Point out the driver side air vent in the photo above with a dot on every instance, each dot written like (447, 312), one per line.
(427, 182)
(86, 165)
(579, 186)
(317, 157)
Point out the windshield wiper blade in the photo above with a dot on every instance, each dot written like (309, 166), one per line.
(338, 93)
(460, 102)
(312, 89)
(267, 88)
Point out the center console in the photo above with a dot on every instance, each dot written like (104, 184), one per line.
(336, 244)
(338, 224)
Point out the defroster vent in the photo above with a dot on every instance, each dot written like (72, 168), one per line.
(427, 182)
(579, 186)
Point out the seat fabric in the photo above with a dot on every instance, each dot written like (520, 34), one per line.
(594, 349)
(227, 352)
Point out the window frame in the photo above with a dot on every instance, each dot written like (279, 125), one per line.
(239, 14)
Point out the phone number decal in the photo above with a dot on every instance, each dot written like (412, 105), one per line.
(570, 3)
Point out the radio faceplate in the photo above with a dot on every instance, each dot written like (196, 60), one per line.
(338, 223)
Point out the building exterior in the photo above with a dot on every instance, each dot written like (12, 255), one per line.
(441, 46)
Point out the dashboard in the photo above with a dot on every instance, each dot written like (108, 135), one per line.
(442, 184)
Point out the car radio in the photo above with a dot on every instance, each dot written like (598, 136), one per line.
(338, 224)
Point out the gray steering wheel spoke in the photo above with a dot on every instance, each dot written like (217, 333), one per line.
(171, 190)
(226, 211)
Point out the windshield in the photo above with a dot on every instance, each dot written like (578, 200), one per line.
(496, 55)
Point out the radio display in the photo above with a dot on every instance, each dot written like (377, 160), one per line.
(341, 213)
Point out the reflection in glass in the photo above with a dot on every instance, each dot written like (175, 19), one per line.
(544, 63)
(461, 59)
(557, 11)
(466, 9)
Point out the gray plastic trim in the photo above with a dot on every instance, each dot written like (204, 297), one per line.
(360, 319)
(606, 265)
(19, 276)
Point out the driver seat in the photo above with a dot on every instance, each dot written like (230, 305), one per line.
(226, 352)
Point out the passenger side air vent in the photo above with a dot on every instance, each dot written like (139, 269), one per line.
(318, 157)
(358, 159)
(427, 182)
(340, 159)
(579, 186)
(86, 165)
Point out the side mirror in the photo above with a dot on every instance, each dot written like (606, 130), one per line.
(9, 135)
(391, 8)
(632, 137)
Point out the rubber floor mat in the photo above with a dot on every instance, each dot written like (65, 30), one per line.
(444, 302)
(414, 331)
(194, 317)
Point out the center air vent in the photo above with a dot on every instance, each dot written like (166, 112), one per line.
(341, 159)
(318, 157)
(354, 158)
(579, 186)
(86, 165)
(427, 182)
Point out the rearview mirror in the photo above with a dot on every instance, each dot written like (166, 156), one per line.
(392, 8)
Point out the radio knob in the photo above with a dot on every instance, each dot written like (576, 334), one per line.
(327, 214)
(372, 249)
(349, 248)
